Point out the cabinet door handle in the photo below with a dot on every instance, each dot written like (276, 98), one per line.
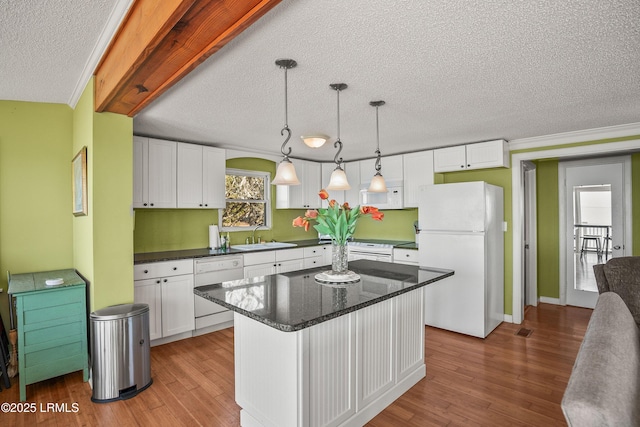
(151, 204)
(200, 205)
(157, 281)
(165, 280)
(175, 268)
(469, 166)
(146, 271)
(205, 205)
(462, 166)
(144, 204)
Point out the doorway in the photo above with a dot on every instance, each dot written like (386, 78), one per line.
(530, 248)
(593, 208)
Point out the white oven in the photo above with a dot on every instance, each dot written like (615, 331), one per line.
(370, 251)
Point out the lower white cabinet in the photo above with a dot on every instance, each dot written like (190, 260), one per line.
(273, 262)
(405, 256)
(170, 297)
(341, 372)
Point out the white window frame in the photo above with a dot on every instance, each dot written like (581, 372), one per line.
(267, 201)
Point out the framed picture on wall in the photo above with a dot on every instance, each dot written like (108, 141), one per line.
(79, 172)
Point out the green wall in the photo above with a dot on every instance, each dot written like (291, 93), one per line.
(102, 240)
(548, 228)
(502, 178)
(38, 231)
(175, 229)
(35, 190)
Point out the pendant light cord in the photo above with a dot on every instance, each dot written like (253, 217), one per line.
(286, 64)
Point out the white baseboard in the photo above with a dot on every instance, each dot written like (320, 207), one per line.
(508, 318)
(549, 300)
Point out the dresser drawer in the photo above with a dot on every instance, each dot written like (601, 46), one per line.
(54, 353)
(53, 297)
(162, 269)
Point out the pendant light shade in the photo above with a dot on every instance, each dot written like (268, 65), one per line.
(377, 182)
(338, 180)
(286, 172)
(314, 141)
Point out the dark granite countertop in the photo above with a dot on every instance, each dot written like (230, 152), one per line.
(293, 301)
(145, 257)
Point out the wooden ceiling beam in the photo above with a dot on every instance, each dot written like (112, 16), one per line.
(161, 41)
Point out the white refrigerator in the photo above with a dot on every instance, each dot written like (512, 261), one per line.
(461, 228)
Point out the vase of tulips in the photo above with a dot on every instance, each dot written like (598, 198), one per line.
(338, 222)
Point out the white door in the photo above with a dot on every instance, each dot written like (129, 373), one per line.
(596, 219)
(530, 235)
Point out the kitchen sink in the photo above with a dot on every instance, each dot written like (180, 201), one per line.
(263, 246)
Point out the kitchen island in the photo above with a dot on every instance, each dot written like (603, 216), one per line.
(309, 354)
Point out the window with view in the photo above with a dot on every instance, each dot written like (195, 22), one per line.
(248, 204)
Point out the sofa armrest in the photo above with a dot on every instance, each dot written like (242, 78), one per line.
(601, 279)
(604, 387)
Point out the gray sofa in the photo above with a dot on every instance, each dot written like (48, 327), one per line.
(622, 276)
(604, 387)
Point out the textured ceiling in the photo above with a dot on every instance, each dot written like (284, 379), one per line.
(46, 47)
(450, 71)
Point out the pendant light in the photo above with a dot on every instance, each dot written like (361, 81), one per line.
(286, 172)
(338, 179)
(377, 182)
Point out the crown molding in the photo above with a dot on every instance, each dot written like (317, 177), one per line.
(118, 13)
(619, 131)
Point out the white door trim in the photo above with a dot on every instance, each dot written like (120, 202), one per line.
(529, 175)
(562, 194)
(517, 204)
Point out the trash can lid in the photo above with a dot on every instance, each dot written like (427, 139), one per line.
(119, 311)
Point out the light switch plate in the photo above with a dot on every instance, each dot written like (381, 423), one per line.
(504, 226)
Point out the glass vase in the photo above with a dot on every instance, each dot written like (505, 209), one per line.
(339, 258)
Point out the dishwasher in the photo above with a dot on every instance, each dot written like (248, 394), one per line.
(208, 271)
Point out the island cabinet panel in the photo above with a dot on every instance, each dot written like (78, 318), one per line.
(331, 371)
(409, 323)
(375, 352)
(340, 372)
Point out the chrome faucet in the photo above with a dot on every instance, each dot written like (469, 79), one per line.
(253, 236)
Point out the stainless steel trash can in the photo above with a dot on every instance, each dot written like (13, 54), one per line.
(120, 355)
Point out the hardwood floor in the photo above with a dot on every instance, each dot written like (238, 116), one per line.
(504, 380)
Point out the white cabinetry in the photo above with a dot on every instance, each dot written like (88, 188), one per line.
(490, 154)
(154, 177)
(168, 289)
(200, 182)
(405, 256)
(273, 262)
(305, 195)
(391, 169)
(339, 372)
(352, 170)
(418, 172)
(316, 256)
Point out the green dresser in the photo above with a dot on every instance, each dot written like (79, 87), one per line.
(52, 325)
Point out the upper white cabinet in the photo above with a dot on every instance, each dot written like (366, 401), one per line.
(490, 154)
(305, 195)
(201, 171)
(391, 169)
(154, 173)
(418, 172)
(352, 170)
